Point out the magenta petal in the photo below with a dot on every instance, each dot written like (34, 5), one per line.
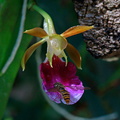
(54, 96)
(75, 94)
(66, 75)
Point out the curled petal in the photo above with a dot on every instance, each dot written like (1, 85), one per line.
(64, 55)
(49, 56)
(37, 32)
(55, 46)
(58, 42)
(29, 52)
(74, 55)
(76, 30)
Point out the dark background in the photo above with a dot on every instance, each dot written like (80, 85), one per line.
(26, 101)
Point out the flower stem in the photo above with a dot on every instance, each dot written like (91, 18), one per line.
(47, 18)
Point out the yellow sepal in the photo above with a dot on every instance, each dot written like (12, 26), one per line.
(74, 55)
(29, 52)
(37, 32)
(76, 30)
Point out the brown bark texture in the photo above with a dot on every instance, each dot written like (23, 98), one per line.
(104, 40)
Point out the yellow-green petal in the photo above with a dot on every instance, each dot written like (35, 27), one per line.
(56, 44)
(37, 32)
(75, 30)
(74, 55)
(64, 55)
(49, 56)
(29, 52)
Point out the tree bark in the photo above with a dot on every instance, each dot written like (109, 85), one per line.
(104, 40)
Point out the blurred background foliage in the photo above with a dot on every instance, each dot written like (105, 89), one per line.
(26, 101)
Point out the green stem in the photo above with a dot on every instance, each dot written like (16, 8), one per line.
(47, 18)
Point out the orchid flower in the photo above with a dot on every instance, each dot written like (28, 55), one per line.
(72, 88)
(56, 43)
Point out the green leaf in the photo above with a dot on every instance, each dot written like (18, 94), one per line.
(10, 15)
